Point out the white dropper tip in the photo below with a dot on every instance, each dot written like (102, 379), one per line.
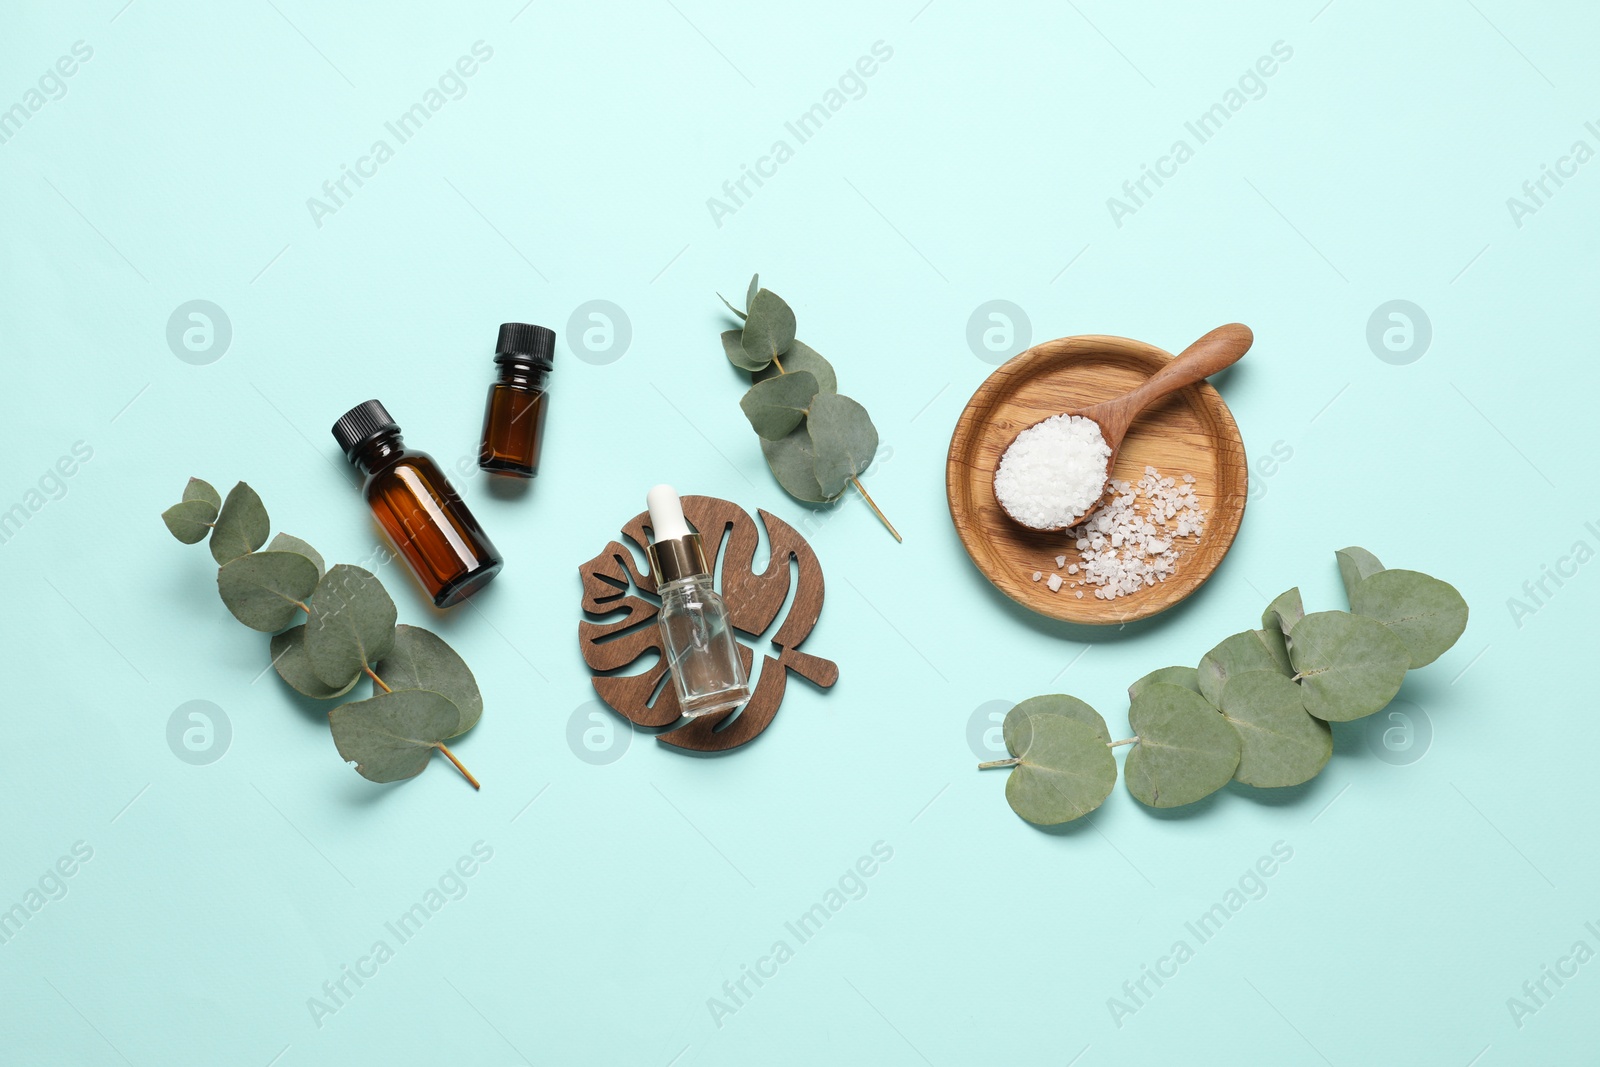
(666, 513)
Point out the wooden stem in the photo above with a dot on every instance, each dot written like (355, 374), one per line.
(1124, 741)
(379, 681)
(451, 756)
(1012, 762)
(876, 510)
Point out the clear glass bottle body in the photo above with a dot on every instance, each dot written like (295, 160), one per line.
(426, 520)
(701, 651)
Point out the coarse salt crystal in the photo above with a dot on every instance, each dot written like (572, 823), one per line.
(1053, 472)
(1054, 583)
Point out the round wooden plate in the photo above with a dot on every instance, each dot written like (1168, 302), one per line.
(1190, 432)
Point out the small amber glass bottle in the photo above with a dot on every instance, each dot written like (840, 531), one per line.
(513, 419)
(426, 520)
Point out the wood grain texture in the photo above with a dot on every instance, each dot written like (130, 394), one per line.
(1190, 432)
(612, 584)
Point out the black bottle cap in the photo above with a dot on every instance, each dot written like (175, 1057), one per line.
(362, 423)
(523, 342)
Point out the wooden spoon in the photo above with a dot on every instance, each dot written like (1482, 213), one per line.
(1218, 349)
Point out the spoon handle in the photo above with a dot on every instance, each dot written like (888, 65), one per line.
(1220, 348)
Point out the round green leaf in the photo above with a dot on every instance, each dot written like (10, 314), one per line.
(422, 660)
(733, 348)
(241, 527)
(392, 736)
(196, 489)
(842, 438)
(794, 465)
(1248, 651)
(1187, 677)
(1279, 743)
(1051, 704)
(1186, 751)
(1425, 613)
(265, 590)
(802, 357)
(1278, 620)
(768, 328)
(1355, 564)
(1064, 768)
(1349, 665)
(190, 521)
(351, 623)
(294, 666)
(286, 543)
(776, 406)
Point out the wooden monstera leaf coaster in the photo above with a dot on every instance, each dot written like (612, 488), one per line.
(613, 582)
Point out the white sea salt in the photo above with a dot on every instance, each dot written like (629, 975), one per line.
(1134, 541)
(1053, 472)
(1054, 583)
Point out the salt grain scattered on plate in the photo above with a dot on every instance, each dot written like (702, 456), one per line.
(1133, 541)
(1037, 575)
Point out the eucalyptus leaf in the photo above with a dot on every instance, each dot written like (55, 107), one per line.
(730, 307)
(288, 543)
(190, 521)
(768, 328)
(392, 736)
(751, 290)
(289, 659)
(1278, 620)
(1051, 704)
(351, 623)
(1187, 677)
(802, 357)
(1355, 564)
(422, 660)
(1064, 769)
(1280, 744)
(241, 527)
(1349, 666)
(1251, 650)
(1425, 613)
(776, 406)
(794, 465)
(843, 440)
(265, 590)
(735, 352)
(1185, 751)
(199, 489)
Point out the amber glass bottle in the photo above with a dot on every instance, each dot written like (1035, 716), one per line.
(428, 523)
(513, 419)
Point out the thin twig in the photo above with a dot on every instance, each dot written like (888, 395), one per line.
(380, 682)
(451, 756)
(1012, 762)
(876, 510)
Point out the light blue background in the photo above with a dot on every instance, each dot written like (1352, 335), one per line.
(976, 166)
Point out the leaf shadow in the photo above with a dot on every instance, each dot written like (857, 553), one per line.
(1200, 807)
(1080, 825)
